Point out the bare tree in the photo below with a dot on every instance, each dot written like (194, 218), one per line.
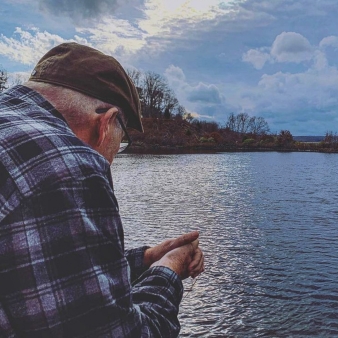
(155, 95)
(230, 124)
(243, 123)
(136, 76)
(239, 123)
(170, 101)
(154, 89)
(258, 126)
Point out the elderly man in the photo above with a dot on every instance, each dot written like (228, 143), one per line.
(63, 268)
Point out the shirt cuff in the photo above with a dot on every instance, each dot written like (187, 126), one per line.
(135, 260)
(174, 282)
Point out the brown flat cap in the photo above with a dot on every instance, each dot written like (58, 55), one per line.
(93, 73)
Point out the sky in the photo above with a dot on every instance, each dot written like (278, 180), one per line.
(277, 59)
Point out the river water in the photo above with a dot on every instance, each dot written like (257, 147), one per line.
(268, 225)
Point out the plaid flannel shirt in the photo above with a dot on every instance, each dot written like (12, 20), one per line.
(63, 268)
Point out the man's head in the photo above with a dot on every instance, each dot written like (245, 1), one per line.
(92, 91)
(88, 71)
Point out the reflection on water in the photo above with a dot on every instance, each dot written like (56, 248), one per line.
(268, 227)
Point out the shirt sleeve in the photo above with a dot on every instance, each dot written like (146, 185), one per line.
(135, 260)
(64, 272)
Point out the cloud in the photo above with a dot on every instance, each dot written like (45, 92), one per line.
(174, 73)
(302, 97)
(203, 101)
(27, 47)
(176, 79)
(285, 99)
(200, 116)
(117, 37)
(329, 41)
(291, 47)
(287, 47)
(159, 26)
(257, 57)
(168, 16)
(204, 93)
(18, 78)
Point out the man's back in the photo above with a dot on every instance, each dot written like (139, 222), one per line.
(50, 218)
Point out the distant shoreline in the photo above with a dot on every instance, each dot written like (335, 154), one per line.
(217, 149)
(179, 136)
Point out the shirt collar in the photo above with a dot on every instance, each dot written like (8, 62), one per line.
(34, 97)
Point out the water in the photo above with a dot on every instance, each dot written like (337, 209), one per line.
(268, 225)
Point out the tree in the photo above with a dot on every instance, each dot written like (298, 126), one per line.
(188, 117)
(170, 101)
(258, 126)
(231, 123)
(239, 123)
(135, 76)
(167, 114)
(330, 138)
(284, 138)
(242, 123)
(154, 87)
(155, 95)
(180, 111)
(3, 80)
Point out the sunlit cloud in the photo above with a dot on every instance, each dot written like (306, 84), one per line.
(166, 16)
(200, 116)
(159, 22)
(115, 36)
(27, 47)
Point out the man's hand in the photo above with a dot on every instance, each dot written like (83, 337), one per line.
(186, 260)
(155, 253)
(197, 264)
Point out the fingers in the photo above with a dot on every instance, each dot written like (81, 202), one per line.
(197, 265)
(186, 260)
(155, 253)
(183, 240)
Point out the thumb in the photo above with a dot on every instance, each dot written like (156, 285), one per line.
(194, 245)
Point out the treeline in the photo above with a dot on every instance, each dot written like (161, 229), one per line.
(168, 124)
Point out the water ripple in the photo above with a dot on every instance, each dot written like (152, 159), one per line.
(268, 227)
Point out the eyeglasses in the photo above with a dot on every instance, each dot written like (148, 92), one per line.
(123, 145)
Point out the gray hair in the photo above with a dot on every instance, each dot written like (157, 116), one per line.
(74, 106)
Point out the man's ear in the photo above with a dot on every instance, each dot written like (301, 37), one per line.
(104, 121)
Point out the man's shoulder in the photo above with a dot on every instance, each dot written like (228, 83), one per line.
(36, 151)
